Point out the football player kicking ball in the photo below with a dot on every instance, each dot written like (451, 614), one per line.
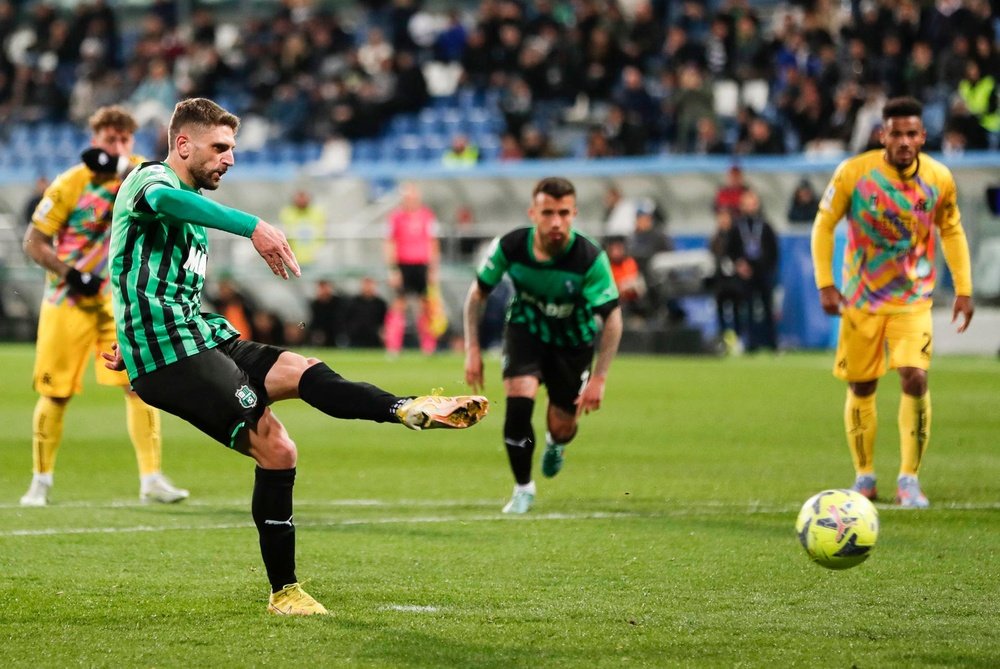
(562, 285)
(894, 199)
(193, 365)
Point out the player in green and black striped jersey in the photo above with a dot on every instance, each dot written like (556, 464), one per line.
(193, 365)
(562, 286)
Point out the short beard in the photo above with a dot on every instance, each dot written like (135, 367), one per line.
(203, 180)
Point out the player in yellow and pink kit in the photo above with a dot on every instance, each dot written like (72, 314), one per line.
(893, 199)
(68, 237)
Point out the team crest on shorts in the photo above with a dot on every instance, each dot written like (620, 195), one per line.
(247, 397)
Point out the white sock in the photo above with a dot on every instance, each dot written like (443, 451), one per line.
(528, 487)
(906, 478)
(43, 478)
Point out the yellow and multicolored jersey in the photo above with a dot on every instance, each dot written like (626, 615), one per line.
(76, 213)
(891, 216)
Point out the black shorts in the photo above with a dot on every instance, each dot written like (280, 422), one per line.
(564, 371)
(220, 391)
(414, 279)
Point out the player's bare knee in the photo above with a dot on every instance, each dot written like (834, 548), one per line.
(274, 451)
(562, 430)
(913, 380)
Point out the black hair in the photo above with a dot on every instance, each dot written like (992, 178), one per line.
(556, 187)
(904, 106)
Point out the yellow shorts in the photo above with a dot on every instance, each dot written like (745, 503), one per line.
(868, 341)
(68, 336)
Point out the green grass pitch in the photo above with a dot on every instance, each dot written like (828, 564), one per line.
(667, 540)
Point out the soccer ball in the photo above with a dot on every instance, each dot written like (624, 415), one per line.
(838, 528)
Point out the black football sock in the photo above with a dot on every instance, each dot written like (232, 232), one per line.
(519, 437)
(272, 513)
(328, 391)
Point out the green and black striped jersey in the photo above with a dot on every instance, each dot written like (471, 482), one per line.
(555, 299)
(157, 271)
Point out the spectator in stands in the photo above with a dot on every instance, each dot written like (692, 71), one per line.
(680, 51)
(304, 223)
(626, 133)
(327, 316)
(476, 64)
(804, 204)
(535, 144)
(961, 123)
(919, 78)
(413, 255)
(692, 102)
(410, 92)
(837, 128)
(597, 143)
(602, 61)
(754, 247)
(979, 93)
(762, 140)
(365, 315)
(750, 53)
(951, 61)
(730, 292)
(461, 152)
(154, 99)
(707, 141)
(516, 104)
(634, 100)
(374, 51)
(510, 148)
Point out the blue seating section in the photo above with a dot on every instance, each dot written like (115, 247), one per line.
(424, 136)
(50, 148)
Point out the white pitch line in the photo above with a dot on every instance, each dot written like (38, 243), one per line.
(671, 506)
(346, 522)
(244, 502)
(675, 511)
(411, 608)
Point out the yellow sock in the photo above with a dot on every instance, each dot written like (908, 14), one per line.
(46, 434)
(914, 431)
(861, 424)
(144, 429)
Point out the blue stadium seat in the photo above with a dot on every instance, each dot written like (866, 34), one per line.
(445, 101)
(364, 151)
(403, 124)
(410, 149)
(428, 121)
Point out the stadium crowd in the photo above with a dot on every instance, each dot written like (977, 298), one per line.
(625, 78)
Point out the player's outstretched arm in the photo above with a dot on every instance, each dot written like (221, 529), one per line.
(272, 246)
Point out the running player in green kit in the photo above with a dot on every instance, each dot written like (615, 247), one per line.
(562, 281)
